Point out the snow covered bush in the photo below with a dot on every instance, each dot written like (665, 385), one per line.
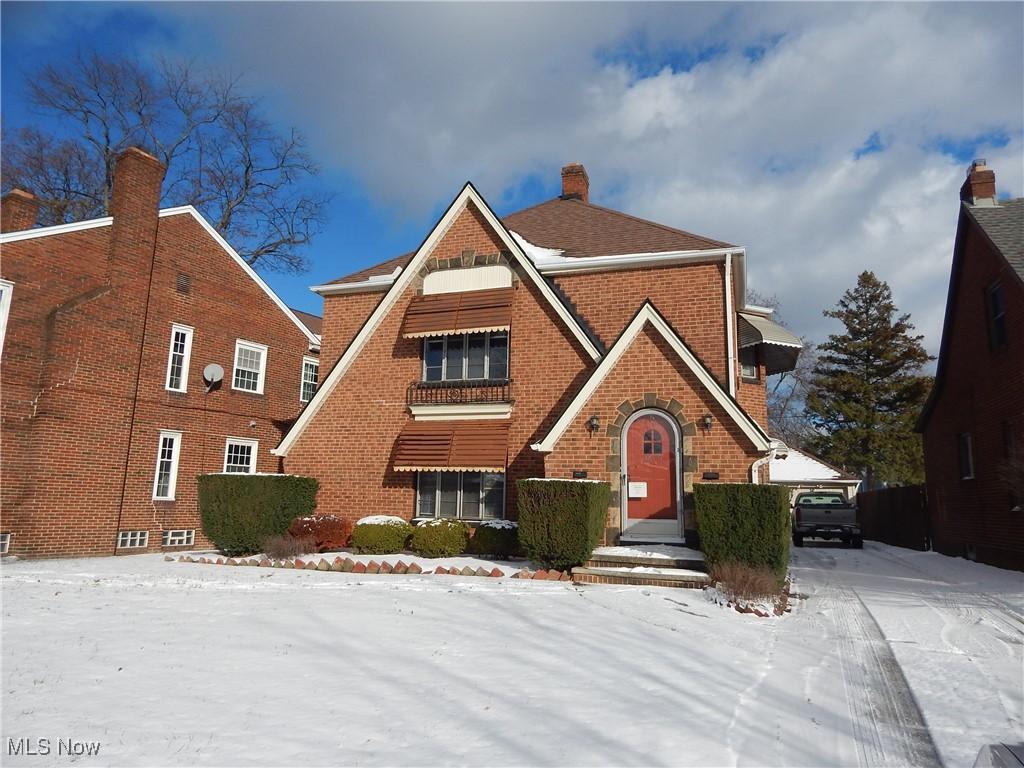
(440, 538)
(498, 538)
(328, 532)
(240, 511)
(561, 521)
(744, 524)
(380, 535)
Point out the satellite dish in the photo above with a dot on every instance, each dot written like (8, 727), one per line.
(213, 375)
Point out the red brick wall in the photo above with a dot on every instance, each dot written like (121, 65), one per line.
(983, 388)
(344, 315)
(72, 382)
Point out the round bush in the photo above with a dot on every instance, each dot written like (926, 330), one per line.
(440, 538)
(328, 531)
(382, 536)
(498, 538)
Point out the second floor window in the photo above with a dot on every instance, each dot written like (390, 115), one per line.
(310, 375)
(250, 366)
(178, 358)
(965, 455)
(240, 455)
(466, 357)
(996, 300)
(748, 364)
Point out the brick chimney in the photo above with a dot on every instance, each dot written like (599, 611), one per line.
(980, 186)
(575, 183)
(18, 210)
(134, 205)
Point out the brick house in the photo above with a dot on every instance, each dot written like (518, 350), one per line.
(107, 327)
(973, 421)
(565, 340)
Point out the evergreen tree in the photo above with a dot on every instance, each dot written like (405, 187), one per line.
(868, 388)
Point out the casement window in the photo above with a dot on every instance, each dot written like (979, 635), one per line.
(5, 543)
(965, 455)
(466, 356)
(178, 538)
(995, 300)
(178, 358)
(132, 539)
(6, 293)
(466, 495)
(250, 366)
(240, 455)
(166, 479)
(310, 377)
(748, 364)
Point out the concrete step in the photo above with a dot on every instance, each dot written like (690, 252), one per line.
(641, 576)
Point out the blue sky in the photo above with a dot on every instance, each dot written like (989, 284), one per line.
(826, 139)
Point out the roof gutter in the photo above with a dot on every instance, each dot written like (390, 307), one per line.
(569, 265)
(372, 283)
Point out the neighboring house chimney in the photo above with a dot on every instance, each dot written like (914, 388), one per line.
(980, 186)
(575, 183)
(134, 205)
(18, 210)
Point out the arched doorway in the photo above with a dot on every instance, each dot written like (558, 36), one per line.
(651, 498)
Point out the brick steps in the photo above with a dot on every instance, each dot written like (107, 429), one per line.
(623, 561)
(641, 576)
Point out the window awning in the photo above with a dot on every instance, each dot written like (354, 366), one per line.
(439, 314)
(457, 446)
(780, 348)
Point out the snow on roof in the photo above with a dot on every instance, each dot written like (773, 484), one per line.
(799, 466)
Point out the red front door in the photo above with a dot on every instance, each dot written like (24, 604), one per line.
(651, 469)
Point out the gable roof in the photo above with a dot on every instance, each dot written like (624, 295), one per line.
(311, 321)
(468, 196)
(1002, 224)
(800, 466)
(578, 230)
(648, 314)
(106, 221)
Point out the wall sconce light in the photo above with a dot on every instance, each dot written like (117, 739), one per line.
(706, 421)
(593, 424)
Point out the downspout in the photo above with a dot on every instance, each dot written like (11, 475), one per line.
(730, 342)
(777, 449)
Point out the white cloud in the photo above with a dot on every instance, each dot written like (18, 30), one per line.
(414, 99)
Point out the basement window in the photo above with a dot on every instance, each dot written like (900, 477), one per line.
(178, 538)
(132, 539)
(5, 543)
(965, 455)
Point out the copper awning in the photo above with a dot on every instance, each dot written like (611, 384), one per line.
(458, 446)
(439, 314)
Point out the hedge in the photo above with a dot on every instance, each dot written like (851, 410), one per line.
(743, 523)
(240, 511)
(440, 538)
(561, 521)
(380, 538)
(498, 538)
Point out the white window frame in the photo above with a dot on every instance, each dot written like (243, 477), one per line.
(172, 484)
(181, 537)
(465, 356)
(5, 543)
(458, 515)
(965, 440)
(132, 539)
(314, 361)
(6, 294)
(255, 347)
(254, 444)
(187, 330)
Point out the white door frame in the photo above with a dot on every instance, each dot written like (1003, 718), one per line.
(674, 536)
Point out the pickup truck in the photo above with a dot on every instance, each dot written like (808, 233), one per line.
(825, 515)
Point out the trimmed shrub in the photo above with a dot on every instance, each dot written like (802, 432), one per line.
(380, 535)
(283, 546)
(440, 538)
(498, 538)
(561, 521)
(240, 511)
(746, 524)
(328, 532)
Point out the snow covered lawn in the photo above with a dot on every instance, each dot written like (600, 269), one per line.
(179, 664)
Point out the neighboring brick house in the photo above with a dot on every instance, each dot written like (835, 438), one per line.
(106, 328)
(566, 340)
(973, 422)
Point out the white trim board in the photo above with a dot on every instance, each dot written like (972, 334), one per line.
(56, 229)
(649, 315)
(465, 197)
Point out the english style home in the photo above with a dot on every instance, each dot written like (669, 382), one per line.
(566, 340)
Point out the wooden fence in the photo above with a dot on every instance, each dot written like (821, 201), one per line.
(896, 516)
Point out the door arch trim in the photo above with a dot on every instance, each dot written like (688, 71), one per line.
(677, 433)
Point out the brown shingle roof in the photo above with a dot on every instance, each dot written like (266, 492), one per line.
(468, 445)
(580, 229)
(312, 322)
